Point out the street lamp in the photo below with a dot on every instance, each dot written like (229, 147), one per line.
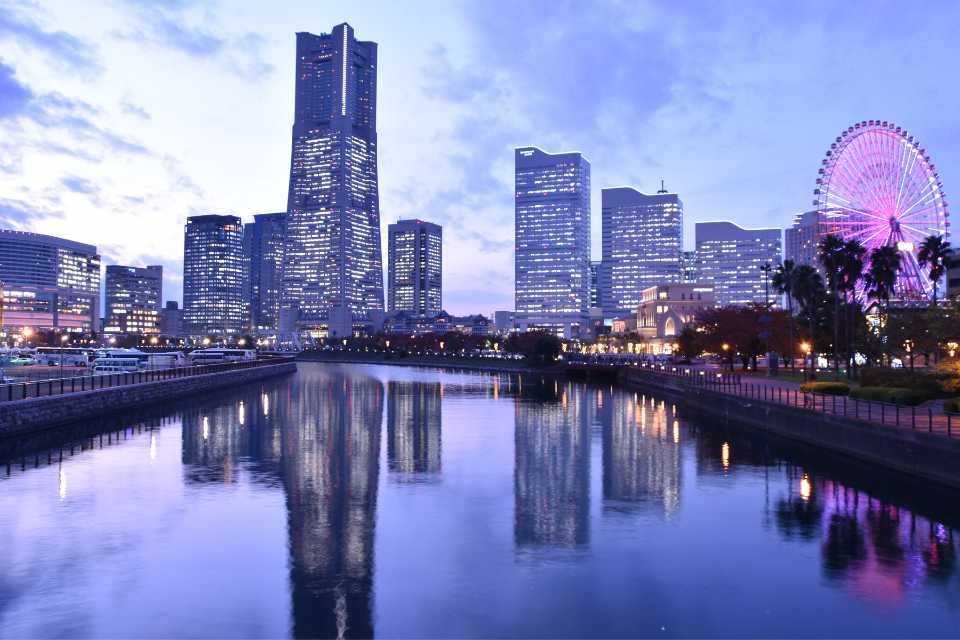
(242, 341)
(63, 341)
(154, 340)
(726, 354)
(206, 342)
(805, 348)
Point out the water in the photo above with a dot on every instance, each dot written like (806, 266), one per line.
(363, 500)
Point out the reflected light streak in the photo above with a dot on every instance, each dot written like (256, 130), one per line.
(806, 488)
(62, 483)
(725, 455)
(265, 400)
(206, 428)
(676, 432)
(241, 413)
(153, 446)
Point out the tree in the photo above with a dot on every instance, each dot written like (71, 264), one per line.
(539, 347)
(831, 255)
(934, 253)
(690, 342)
(851, 269)
(881, 278)
(784, 278)
(809, 293)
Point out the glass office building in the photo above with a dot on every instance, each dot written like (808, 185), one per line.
(263, 250)
(415, 267)
(133, 296)
(641, 243)
(48, 283)
(552, 242)
(333, 268)
(213, 301)
(802, 238)
(730, 258)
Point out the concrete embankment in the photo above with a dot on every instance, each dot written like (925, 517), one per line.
(919, 454)
(21, 417)
(433, 362)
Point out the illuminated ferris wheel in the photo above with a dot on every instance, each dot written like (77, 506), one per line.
(877, 185)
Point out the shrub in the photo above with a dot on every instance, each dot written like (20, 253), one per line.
(903, 379)
(826, 388)
(893, 395)
(952, 405)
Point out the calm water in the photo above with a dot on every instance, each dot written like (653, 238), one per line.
(364, 500)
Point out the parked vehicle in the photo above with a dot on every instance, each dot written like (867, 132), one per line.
(67, 356)
(215, 355)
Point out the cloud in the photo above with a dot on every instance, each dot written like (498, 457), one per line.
(171, 25)
(14, 96)
(79, 185)
(17, 214)
(134, 110)
(59, 47)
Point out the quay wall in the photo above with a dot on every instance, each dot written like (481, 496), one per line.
(916, 453)
(21, 417)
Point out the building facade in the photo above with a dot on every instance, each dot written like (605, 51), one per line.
(730, 257)
(133, 298)
(263, 250)
(415, 267)
(552, 241)
(689, 273)
(333, 268)
(171, 320)
(642, 237)
(802, 238)
(48, 283)
(213, 272)
(665, 309)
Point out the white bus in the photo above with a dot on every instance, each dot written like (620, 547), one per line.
(213, 356)
(71, 356)
(116, 365)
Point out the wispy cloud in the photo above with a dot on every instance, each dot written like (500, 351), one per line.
(14, 95)
(79, 185)
(60, 48)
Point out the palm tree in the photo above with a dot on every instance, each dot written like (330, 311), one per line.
(831, 256)
(852, 265)
(807, 288)
(784, 277)
(881, 279)
(934, 253)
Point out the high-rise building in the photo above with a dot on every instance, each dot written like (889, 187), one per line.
(415, 267)
(263, 248)
(642, 238)
(133, 296)
(48, 282)
(730, 258)
(595, 269)
(802, 238)
(171, 320)
(552, 241)
(333, 268)
(689, 273)
(213, 276)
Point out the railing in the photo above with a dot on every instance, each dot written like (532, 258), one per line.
(872, 411)
(42, 388)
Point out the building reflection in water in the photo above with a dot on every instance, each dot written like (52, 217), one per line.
(641, 453)
(319, 436)
(552, 465)
(414, 430)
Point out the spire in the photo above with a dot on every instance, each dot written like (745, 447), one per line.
(662, 188)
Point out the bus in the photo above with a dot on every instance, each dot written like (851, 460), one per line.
(70, 356)
(214, 356)
(116, 365)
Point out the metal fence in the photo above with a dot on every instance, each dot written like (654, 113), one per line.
(41, 388)
(871, 411)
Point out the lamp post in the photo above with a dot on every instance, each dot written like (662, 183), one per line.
(806, 348)
(63, 341)
(726, 354)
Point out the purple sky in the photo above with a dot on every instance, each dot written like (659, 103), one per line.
(120, 119)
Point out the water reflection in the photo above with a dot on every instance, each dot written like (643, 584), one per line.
(413, 430)
(552, 466)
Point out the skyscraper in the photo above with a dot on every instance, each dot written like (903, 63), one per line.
(730, 258)
(689, 273)
(800, 240)
(415, 267)
(552, 241)
(133, 296)
(333, 268)
(641, 245)
(48, 282)
(263, 247)
(213, 275)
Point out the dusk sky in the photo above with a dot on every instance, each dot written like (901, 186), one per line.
(120, 119)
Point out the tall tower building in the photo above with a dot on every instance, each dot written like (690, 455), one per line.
(415, 267)
(133, 296)
(552, 241)
(730, 258)
(213, 276)
(263, 247)
(48, 283)
(333, 268)
(641, 244)
(800, 240)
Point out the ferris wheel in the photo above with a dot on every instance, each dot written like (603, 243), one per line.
(877, 185)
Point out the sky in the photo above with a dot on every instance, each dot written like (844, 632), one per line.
(119, 119)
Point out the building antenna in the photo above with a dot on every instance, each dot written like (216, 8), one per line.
(662, 188)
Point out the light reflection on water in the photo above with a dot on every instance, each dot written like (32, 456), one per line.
(494, 506)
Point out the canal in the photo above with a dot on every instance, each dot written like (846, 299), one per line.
(363, 500)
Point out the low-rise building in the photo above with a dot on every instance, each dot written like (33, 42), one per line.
(665, 309)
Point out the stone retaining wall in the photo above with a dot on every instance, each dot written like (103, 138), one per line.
(25, 416)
